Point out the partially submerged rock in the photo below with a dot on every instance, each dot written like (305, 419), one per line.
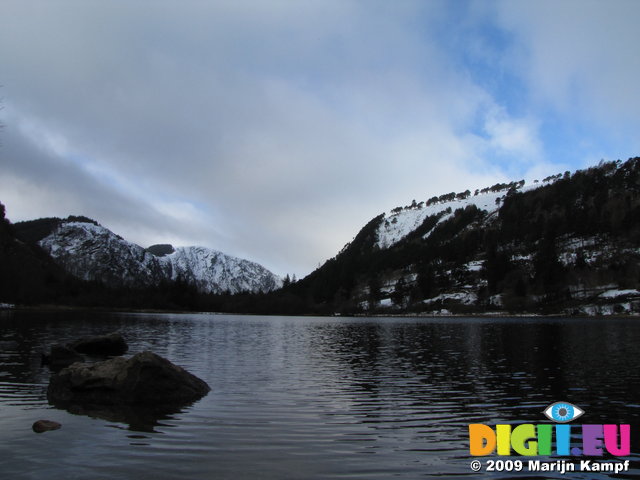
(45, 425)
(61, 356)
(144, 379)
(111, 344)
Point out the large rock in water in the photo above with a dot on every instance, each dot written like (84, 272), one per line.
(144, 379)
(61, 356)
(111, 344)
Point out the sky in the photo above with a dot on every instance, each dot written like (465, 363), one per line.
(274, 130)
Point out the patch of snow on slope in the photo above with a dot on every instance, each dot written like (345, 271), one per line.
(466, 298)
(618, 293)
(474, 266)
(399, 225)
(396, 226)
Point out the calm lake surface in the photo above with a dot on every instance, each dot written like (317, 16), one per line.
(316, 398)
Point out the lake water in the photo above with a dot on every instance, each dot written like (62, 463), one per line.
(317, 398)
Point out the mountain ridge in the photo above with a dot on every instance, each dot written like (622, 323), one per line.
(92, 252)
(567, 245)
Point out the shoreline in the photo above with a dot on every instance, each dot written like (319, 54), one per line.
(494, 314)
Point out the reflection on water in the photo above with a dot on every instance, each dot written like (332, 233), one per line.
(315, 397)
(136, 418)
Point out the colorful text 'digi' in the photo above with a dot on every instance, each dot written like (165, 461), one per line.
(529, 439)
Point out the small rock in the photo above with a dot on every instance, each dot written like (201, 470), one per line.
(45, 425)
(111, 344)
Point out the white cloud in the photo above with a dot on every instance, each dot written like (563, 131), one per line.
(516, 137)
(270, 130)
(579, 55)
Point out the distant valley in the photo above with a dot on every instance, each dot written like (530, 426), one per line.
(568, 244)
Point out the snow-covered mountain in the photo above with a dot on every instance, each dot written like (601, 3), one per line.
(92, 252)
(567, 244)
(213, 271)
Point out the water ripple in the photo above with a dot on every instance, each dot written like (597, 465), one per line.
(315, 398)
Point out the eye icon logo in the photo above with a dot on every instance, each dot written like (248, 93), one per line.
(563, 412)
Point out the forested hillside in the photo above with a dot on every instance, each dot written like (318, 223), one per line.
(569, 244)
(28, 274)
